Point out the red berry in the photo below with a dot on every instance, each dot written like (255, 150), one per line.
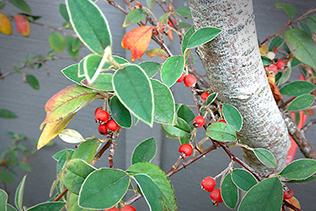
(273, 68)
(281, 64)
(181, 78)
(186, 148)
(155, 31)
(223, 120)
(97, 110)
(127, 208)
(208, 184)
(4, 163)
(103, 129)
(205, 95)
(101, 115)
(216, 195)
(198, 121)
(189, 80)
(112, 209)
(111, 125)
(138, 5)
(171, 23)
(288, 194)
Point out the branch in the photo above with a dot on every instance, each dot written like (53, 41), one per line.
(299, 138)
(307, 125)
(54, 29)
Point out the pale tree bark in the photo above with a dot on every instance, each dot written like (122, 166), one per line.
(234, 68)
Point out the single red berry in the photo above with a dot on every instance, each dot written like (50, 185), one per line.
(111, 125)
(198, 121)
(189, 80)
(101, 115)
(127, 208)
(171, 23)
(4, 163)
(25, 160)
(186, 148)
(181, 78)
(155, 31)
(288, 194)
(216, 195)
(103, 129)
(208, 184)
(205, 95)
(97, 110)
(281, 64)
(112, 209)
(273, 68)
(223, 120)
(138, 5)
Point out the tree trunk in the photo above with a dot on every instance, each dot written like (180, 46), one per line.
(234, 68)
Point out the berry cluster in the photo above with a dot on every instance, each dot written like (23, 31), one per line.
(208, 184)
(105, 125)
(189, 80)
(125, 208)
(274, 68)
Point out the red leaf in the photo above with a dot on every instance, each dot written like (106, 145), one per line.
(137, 41)
(22, 25)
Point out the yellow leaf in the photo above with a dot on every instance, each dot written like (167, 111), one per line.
(157, 52)
(137, 40)
(51, 130)
(22, 25)
(294, 202)
(5, 24)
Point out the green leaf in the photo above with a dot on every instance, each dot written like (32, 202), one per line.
(210, 99)
(265, 157)
(309, 179)
(243, 179)
(10, 208)
(151, 68)
(180, 129)
(103, 82)
(186, 38)
(25, 166)
(134, 90)
(184, 12)
(6, 114)
(103, 195)
(134, 17)
(3, 199)
(221, 131)
(299, 169)
(229, 192)
(71, 72)
(285, 75)
(144, 151)
(51, 206)
(172, 69)
(91, 67)
(150, 191)
(63, 157)
(63, 11)
(185, 113)
(303, 26)
(301, 102)
(265, 196)
(302, 46)
(6, 177)
(160, 179)
(297, 88)
(295, 62)
(68, 43)
(76, 44)
(184, 25)
(119, 113)
(56, 42)
(276, 42)
(86, 150)
(71, 136)
(202, 36)
(32, 81)
(57, 156)
(22, 5)
(288, 9)
(164, 113)
(311, 21)
(18, 200)
(232, 116)
(150, 3)
(90, 24)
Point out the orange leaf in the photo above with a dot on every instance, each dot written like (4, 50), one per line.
(157, 52)
(294, 202)
(137, 41)
(5, 24)
(170, 35)
(22, 25)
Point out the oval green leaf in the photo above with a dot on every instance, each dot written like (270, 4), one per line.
(265, 196)
(289, 9)
(86, 150)
(164, 106)
(243, 179)
(134, 17)
(3, 199)
(90, 24)
(6, 177)
(299, 169)
(18, 199)
(151, 68)
(134, 90)
(172, 69)
(276, 42)
(186, 38)
(301, 102)
(102, 83)
(63, 11)
(56, 42)
(184, 12)
(180, 129)
(302, 46)
(22, 5)
(202, 36)
(103, 195)
(90, 67)
(144, 151)
(311, 21)
(71, 72)
(6, 114)
(51, 206)
(185, 113)
(297, 88)
(229, 192)
(119, 113)
(303, 26)
(210, 99)
(221, 131)
(68, 43)
(265, 157)
(232, 116)
(32, 81)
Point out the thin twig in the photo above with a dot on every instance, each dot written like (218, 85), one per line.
(308, 125)
(54, 29)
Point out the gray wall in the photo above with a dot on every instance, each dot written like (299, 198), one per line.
(29, 104)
